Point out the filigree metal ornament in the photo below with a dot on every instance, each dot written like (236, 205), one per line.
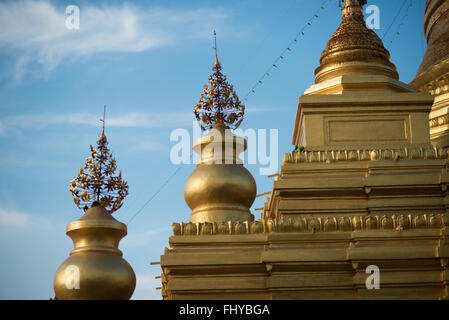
(96, 180)
(219, 103)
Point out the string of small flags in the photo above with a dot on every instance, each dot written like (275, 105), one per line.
(276, 62)
(400, 24)
(394, 19)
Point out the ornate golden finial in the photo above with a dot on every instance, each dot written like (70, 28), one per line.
(96, 181)
(219, 104)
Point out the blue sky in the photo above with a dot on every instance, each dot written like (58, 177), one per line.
(147, 61)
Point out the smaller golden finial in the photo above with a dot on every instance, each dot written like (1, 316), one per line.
(96, 181)
(219, 104)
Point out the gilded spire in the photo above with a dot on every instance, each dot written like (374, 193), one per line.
(216, 63)
(354, 48)
(219, 104)
(102, 136)
(96, 181)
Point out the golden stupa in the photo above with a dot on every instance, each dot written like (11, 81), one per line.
(220, 189)
(95, 269)
(367, 192)
(433, 74)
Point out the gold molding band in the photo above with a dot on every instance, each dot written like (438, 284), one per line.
(314, 224)
(328, 156)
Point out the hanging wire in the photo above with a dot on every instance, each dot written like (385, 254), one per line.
(288, 48)
(155, 194)
(394, 19)
(399, 26)
(160, 189)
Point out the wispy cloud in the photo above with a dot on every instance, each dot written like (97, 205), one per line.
(2, 127)
(129, 119)
(11, 218)
(35, 31)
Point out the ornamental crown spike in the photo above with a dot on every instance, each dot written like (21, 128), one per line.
(219, 104)
(216, 63)
(96, 180)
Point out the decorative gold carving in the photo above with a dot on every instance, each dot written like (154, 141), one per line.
(437, 86)
(402, 223)
(256, 227)
(439, 121)
(371, 223)
(344, 224)
(206, 228)
(327, 156)
(176, 228)
(330, 224)
(435, 221)
(223, 228)
(315, 224)
(219, 103)
(190, 229)
(386, 223)
(96, 181)
(240, 227)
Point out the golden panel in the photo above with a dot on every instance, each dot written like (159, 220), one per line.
(340, 130)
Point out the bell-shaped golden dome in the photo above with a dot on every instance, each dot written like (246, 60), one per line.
(354, 48)
(220, 188)
(95, 269)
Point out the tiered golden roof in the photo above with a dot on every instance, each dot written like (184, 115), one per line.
(435, 29)
(354, 48)
(433, 74)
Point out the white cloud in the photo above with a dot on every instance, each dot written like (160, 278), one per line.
(2, 127)
(35, 32)
(11, 218)
(130, 119)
